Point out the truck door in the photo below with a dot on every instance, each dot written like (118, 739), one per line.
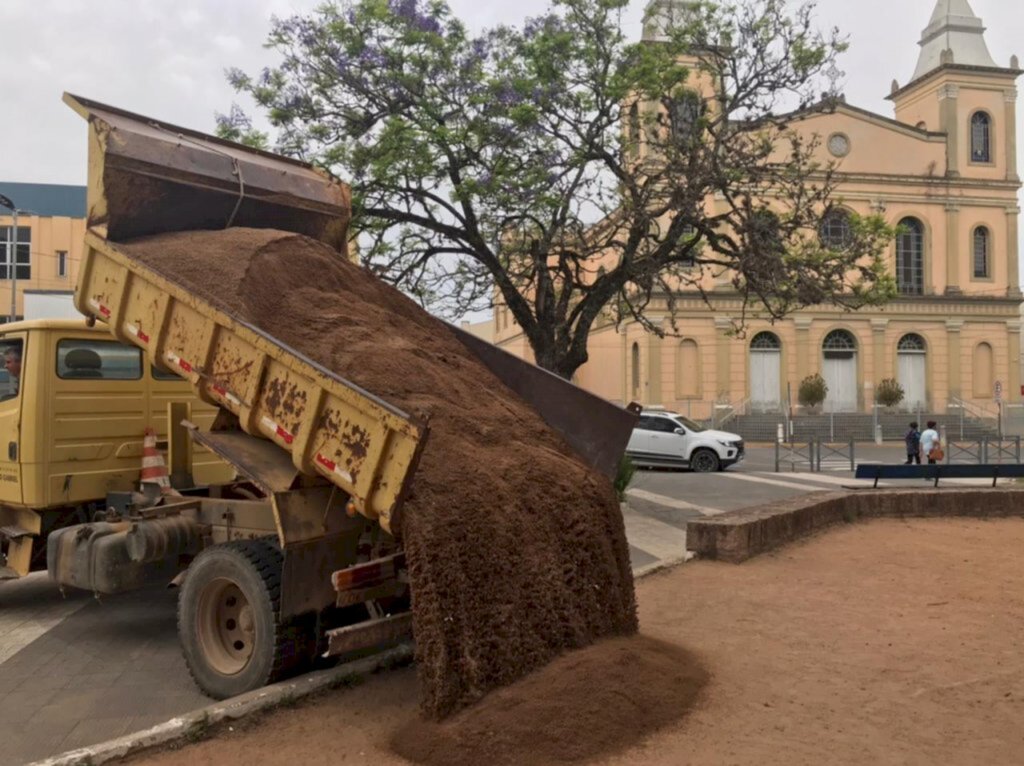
(12, 350)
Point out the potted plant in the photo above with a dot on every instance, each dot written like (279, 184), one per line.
(812, 392)
(889, 393)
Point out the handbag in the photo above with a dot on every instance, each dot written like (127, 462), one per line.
(937, 453)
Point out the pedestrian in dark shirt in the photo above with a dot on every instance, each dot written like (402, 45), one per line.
(913, 442)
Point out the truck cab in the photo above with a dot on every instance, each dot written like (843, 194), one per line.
(74, 406)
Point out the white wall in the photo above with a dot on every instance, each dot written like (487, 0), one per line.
(50, 305)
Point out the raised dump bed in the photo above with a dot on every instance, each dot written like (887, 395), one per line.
(328, 425)
(279, 547)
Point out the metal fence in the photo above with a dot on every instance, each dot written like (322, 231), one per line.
(965, 451)
(794, 454)
(815, 455)
(1004, 450)
(836, 455)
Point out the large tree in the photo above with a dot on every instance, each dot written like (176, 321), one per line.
(565, 171)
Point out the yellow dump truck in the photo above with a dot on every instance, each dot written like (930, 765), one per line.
(294, 558)
(74, 403)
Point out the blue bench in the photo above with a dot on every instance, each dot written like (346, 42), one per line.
(994, 471)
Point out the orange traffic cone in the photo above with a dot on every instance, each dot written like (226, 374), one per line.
(154, 469)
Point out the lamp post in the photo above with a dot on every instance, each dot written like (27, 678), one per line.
(12, 254)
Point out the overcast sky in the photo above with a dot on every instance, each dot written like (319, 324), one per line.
(166, 60)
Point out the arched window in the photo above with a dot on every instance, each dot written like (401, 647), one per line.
(684, 112)
(981, 252)
(634, 130)
(835, 229)
(983, 371)
(839, 344)
(910, 257)
(688, 370)
(766, 341)
(635, 371)
(911, 343)
(981, 137)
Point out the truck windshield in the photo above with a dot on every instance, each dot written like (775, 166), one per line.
(689, 424)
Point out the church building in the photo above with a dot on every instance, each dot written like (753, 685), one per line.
(943, 169)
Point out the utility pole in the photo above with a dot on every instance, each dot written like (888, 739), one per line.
(12, 243)
(12, 254)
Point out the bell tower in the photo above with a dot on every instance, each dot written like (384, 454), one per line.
(958, 89)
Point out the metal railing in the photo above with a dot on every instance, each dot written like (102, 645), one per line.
(726, 411)
(975, 411)
(794, 454)
(815, 455)
(965, 451)
(831, 454)
(1006, 449)
(1002, 450)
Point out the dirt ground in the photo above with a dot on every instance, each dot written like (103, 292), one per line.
(877, 643)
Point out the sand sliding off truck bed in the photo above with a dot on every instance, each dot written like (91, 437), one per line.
(296, 558)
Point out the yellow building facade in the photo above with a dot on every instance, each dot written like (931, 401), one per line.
(47, 250)
(943, 170)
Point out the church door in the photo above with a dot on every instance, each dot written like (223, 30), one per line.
(765, 372)
(839, 368)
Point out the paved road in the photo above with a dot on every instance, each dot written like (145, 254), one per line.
(661, 501)
(75, 671)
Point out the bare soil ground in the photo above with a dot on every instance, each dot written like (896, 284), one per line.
(877, 643)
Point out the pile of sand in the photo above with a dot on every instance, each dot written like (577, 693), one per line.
(598, 700)
(516, 549)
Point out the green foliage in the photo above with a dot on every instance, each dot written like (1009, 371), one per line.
(889, 392)
(813, 390)
(495, 168)
(624, 477)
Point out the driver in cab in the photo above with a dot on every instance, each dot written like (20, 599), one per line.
(12, 363)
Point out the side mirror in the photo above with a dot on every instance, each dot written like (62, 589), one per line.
(680, 431)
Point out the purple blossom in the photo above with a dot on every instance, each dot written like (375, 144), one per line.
(234, 121)
(409, 11)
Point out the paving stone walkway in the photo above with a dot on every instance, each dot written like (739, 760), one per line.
(92, 671)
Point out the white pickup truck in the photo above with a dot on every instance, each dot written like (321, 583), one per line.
(663, 438)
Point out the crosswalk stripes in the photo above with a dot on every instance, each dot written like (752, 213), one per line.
(771, 482)
(656, 538)
(671, 502)
(842, 481)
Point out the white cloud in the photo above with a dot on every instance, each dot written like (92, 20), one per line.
(228, 43)
(153, 57)
(39, 63)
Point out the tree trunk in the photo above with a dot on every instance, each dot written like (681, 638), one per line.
(563, 362)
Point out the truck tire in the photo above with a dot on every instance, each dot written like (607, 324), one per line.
(704, 461)
(228, 620)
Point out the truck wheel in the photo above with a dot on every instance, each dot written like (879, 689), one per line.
(228, 621)
(704, 461)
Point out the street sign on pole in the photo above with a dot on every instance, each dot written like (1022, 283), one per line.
(999, 390)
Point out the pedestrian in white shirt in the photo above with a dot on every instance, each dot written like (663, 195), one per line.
(930, 442)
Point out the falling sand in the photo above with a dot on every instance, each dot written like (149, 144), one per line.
(516, 548)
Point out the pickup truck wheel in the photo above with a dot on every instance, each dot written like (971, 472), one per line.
(704, 461)
(228, 622)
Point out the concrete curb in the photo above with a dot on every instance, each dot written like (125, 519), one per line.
(179, 728)
(662, 564)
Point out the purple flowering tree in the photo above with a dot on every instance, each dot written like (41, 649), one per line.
(564, 171)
